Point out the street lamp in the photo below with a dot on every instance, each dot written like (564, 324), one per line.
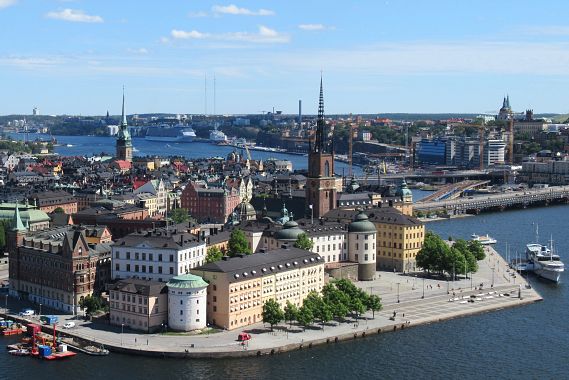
(398, 292)
(122, 330)
(423, 288)
(40, 310)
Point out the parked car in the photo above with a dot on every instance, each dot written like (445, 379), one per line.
(26, 312)
(69, 325)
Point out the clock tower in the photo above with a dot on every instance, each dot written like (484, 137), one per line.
(124, 141)
(321, 184)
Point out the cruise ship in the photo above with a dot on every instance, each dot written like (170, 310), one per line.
(217, 136)
(544, 261)
(178, 133)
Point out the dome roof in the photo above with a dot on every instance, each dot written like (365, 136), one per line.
(245, 211)
(353, 186)
(403, 190)
(361, 224)
(187, 281)
(290, 231)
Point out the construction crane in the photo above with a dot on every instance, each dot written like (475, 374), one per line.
(511, 142)
(350, 151)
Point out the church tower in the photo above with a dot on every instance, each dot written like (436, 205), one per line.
(320, 184)
(124, 142)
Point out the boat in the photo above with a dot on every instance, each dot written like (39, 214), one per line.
(217, 136)
(544, 261)
(178, 133)
(12, 331)
(484, 240)
(20, 352)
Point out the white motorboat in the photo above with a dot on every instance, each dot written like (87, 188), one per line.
(546, 263)
(484, 240)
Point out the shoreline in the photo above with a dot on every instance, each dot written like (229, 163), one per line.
(411, 311)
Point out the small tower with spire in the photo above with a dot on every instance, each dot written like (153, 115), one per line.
(321, 183)
(124, 141)
(16, 232)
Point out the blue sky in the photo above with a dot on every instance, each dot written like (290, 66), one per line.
(74, 56)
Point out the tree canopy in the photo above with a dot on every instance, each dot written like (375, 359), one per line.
(304, 242)
(272, 313)
(213, 254)
(439, 257)
(179, 215)
(238, 243)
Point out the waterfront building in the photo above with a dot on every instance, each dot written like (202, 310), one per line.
(432, 151)
(550, 171)
(362, 250)
(398, 240)
(49, 201)
(212, 205)
(124, 141)
(138, 304)
(239, 286)
(157, 254)
(321, 184)
(57, 267)
(187, 302)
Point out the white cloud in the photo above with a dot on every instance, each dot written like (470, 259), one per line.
(197, 14)
(137, 50)
(311, 27)
(74, 15)
(548, 30)
(6, 3)
(184, 35)
(264, 35)
(24, 62)
(233, 9)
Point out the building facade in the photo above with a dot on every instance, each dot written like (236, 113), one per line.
(124, 141)
(138, 304)
(187, 303)
(211, 205)
(157, 255)
(239, 286)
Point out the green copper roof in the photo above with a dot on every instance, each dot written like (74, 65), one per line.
(290, 231)
(187, 281)
(17, 224)
(361, 224)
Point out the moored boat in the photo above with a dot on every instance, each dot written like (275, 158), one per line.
(484, 240)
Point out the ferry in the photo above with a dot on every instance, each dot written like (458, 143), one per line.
(484, 240)
(217, 136)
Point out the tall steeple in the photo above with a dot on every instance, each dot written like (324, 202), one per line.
(17, 224)
(320, 142)
(123, 115)
(124, 141)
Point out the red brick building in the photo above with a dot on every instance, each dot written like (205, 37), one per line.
(48, 201)
(212, 205)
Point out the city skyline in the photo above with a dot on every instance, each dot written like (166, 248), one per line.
(72, 57)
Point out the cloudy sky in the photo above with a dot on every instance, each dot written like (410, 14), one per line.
(74, 56)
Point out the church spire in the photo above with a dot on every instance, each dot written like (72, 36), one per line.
(123, 116)
(17, 224)
(319, 143)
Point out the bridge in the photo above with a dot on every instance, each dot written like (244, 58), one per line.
(453, 191)
(501, 201)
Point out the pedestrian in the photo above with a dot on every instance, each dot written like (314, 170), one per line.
(147, 342)
(134, 340)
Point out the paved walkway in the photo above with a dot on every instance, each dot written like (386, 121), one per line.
(500, 289)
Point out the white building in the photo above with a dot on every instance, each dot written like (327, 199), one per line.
(157, 255)
(187, 302)
(362, 240)
(495, 152)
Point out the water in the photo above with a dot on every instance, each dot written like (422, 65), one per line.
(92, 145)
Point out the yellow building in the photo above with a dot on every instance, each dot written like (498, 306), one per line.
(239, 286)
(399, 236)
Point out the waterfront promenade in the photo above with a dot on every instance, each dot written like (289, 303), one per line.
(403, 308)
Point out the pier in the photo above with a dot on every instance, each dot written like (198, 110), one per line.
(498, 202)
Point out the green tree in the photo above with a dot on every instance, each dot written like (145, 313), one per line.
(59, 210)
(305, 316)
(432, 255)
(238, 243)
(91, 304)
(476, 249)
(179, 215)
(304, 242)
(4, 226)
(290, 312)
(373, 304)
(337, 300)
(320, 309)
(213, 254)
(272, 313)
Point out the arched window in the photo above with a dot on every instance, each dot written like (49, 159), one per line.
(327, 169)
